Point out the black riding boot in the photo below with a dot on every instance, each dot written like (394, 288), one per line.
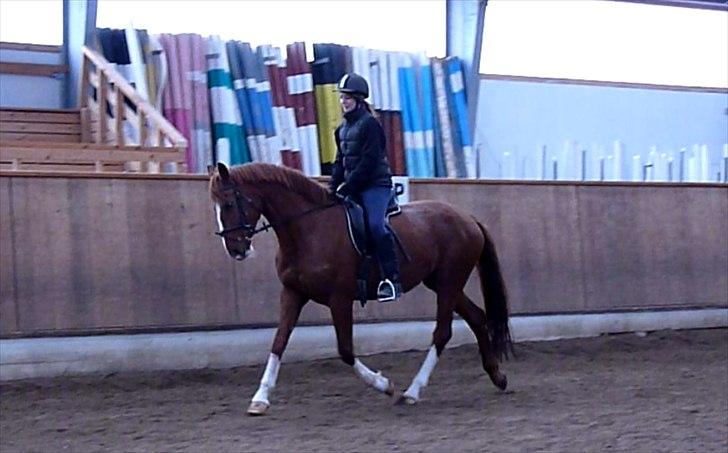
(390, 288)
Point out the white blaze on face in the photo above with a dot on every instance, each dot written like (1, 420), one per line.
(218, 216)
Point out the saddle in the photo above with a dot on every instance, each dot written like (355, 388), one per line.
(356, 226)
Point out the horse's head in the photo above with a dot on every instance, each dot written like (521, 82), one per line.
(237, 213)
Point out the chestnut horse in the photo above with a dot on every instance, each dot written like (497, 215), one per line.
(316, 261)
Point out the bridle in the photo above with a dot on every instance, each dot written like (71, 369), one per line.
(241, 201)
(249, 230)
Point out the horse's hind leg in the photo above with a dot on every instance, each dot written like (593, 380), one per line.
(474, 316)
(341, 314)
(440, 337)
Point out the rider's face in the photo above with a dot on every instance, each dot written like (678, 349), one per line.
(348, 102)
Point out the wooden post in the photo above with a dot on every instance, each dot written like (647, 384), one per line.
(83, 92)
(119, 116)
(102, 94)
(158, 139)
(153, 166)
(85, 114)
(143, 131)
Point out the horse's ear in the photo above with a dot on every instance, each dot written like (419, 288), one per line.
(223, 171)
(210, 170)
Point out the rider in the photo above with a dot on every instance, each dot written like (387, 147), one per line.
(361, 170)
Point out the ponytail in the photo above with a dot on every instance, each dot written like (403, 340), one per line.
(368, 108)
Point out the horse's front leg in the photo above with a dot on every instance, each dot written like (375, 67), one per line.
(291, 304)
(341, 314)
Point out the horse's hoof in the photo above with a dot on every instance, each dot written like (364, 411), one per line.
(405, 400)
(257, 408)
(390, 389)
(502, 382)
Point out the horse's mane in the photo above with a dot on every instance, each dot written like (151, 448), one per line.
(260, 173)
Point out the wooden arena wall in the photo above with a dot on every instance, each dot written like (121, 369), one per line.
(86, 254)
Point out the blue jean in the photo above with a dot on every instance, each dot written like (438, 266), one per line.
(375, 201)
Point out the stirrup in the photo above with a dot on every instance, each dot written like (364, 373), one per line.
(387, 291)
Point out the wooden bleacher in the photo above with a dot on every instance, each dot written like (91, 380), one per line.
(34, 125)
(113, 130)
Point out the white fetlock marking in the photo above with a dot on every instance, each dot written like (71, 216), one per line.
(423, 376)
(268, 382)
(376, 380)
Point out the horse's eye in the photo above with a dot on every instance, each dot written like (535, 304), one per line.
(228, 205)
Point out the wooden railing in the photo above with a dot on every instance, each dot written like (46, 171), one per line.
(113, 114)
(114, 129)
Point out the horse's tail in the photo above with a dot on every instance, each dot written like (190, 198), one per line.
(495, 297)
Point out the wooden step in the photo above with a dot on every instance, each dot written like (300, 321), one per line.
(44, 156)
(40, 128)
(84, 152)
(40, 125)
(58, 167)
(28, 115)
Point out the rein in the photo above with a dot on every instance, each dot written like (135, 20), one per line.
(251, 231)
(268, 226)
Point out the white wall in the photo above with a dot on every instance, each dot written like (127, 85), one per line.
(519, 117)
(30, 91)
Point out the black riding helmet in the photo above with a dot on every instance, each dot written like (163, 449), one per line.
(354, 84)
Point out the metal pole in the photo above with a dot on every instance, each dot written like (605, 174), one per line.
(79, 25)
(464, 30)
